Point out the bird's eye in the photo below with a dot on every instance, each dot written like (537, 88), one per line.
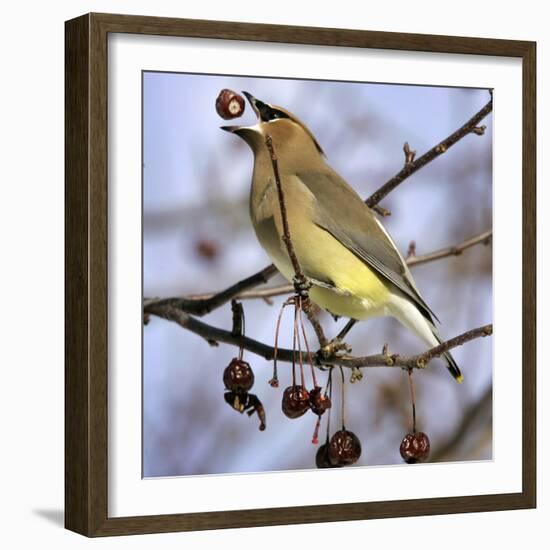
(268, 113)
(275, 114)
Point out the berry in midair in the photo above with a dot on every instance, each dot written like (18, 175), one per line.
(229, 104)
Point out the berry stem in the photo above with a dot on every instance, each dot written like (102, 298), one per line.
(297, 306)
(243, 331)
(238, 324)
(329, 390)
(309, 354)
(315, 438)
(343, 398)
(274, 382)
(413, 400)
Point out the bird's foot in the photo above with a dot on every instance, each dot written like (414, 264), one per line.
(301, 286)
(335, 348)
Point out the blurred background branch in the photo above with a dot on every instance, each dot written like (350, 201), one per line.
(200, 304)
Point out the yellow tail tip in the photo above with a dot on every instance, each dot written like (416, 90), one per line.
(460, 379)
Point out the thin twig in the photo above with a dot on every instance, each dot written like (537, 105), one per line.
(301, 283)
(483, 238)
(384, 212)
(286, 230)
(411, 167)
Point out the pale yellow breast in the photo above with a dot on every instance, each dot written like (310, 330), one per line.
(361, 293)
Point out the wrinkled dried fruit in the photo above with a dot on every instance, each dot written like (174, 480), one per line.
(344, 448)
(229, 104)
(415, 447)
(322, 459)
(238, 377)
(295, 401)
(318, 401)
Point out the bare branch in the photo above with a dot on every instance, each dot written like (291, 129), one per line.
(483, 238)
(385, 359)
(416, 361)
(203, 306)
(411, 167)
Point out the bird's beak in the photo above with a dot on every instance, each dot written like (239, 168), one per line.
(252, 100)
(232, 129)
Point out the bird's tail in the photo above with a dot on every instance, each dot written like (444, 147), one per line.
(420, 323)
(451, 363)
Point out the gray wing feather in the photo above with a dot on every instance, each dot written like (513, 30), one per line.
(341, 212)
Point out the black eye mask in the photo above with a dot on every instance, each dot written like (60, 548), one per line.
(268, 113)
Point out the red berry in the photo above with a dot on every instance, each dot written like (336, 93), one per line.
(344, 448)
(318, 401)
(295, 401)
(322, 459)
(415, 447)
(238, 376)
(229, 104)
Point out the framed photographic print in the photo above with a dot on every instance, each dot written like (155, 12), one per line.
(300, 275)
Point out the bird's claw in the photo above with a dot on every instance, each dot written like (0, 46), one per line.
(301, 286)
(335, 348)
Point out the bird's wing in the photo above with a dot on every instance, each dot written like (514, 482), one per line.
(341, 211)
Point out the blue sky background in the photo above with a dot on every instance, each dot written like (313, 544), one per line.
(195, 190)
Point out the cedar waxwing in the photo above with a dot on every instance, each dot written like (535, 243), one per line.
(352, 262)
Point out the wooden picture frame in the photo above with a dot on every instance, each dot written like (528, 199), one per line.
(86, 229)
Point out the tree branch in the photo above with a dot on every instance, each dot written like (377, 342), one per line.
(413, 166)
(203, 306)
(416, 361)
(214, 335)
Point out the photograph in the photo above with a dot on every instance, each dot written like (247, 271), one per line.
(317, 274)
